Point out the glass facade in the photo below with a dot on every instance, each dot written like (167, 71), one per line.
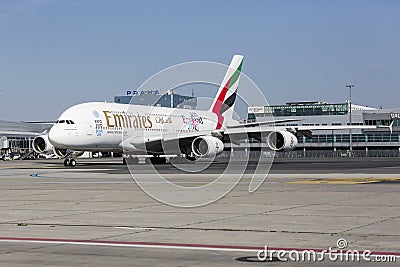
(381, 122)
(356, 138)
(166, 100)
(306, 109)
(20, 143)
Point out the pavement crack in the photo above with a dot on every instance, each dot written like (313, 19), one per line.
(369, 224)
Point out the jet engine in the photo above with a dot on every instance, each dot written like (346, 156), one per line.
(42, 145)
(61, 153)
(207, 146)
(282, 141)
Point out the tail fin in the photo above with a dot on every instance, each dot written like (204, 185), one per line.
(224, 101)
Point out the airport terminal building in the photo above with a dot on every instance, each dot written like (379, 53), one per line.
(18, 136)
(326, 114)
(155, 98)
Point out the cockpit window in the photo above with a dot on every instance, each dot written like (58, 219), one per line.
(65, 121)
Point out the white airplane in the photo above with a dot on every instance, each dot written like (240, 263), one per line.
(150, 130)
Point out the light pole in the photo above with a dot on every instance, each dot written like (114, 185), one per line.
(350, 143)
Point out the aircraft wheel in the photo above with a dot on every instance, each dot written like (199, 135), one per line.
(154, 160)
(158, 160)
(191, 158)
(72, 163)
(66, 162)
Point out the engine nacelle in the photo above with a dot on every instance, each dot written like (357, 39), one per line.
(282, 141)
(62, 153)
(59, 152)
(207, 146)
(42, 145)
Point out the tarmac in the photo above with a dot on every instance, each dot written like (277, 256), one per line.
(96, 215)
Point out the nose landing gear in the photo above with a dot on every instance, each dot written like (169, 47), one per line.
(70, 162)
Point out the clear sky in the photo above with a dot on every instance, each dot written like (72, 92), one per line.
(54, 54)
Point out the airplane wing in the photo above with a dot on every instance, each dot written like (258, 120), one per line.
(253, 124)
(302, 130)
(17, 133)
(237, 133)
(21, 128)
(340, 127)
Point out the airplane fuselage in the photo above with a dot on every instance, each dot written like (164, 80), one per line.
(110, 126)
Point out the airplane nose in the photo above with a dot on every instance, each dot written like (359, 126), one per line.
(54, 135)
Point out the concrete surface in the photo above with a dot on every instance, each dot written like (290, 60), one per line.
(98, 200)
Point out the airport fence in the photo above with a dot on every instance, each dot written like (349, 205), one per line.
(387, 153)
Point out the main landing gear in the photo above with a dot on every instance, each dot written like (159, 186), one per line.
(190, 158)
(70, 162)
(156, 160)
(130, 160)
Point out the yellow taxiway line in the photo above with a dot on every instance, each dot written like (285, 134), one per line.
(345, 181)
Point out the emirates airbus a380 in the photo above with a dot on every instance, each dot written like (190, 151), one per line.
(150, 130)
